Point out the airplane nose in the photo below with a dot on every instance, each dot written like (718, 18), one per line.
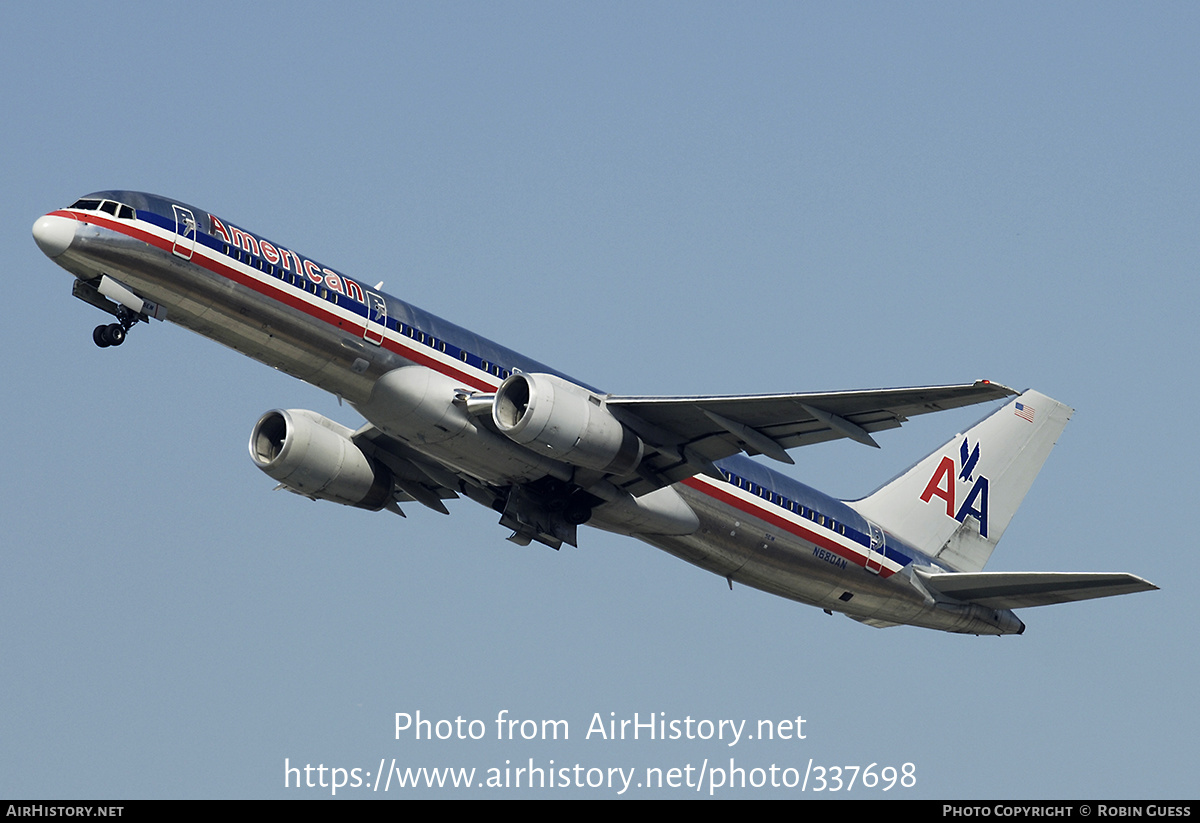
(54, 234)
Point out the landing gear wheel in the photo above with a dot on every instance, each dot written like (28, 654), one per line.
(577, 513)
(111, 335)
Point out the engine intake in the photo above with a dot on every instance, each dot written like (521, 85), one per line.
(557, 418)
(314, 456)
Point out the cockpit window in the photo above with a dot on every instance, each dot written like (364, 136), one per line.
(108, 206)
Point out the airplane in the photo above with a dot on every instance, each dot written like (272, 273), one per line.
(450, 414)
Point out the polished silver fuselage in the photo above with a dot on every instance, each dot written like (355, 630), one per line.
(766, 530)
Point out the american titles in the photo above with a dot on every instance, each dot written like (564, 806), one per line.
(287, 260)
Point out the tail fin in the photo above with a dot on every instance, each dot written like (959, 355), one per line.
(957, 502)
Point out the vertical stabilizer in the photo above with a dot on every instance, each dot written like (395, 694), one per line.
(956, 503)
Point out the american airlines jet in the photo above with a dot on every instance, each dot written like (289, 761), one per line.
(451, 414)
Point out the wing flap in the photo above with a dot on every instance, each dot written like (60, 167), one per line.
(1018, 590)
(414, 478)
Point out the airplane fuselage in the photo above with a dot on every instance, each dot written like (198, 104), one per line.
(412, 375)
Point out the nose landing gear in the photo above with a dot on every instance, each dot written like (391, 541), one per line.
(114, 334)
(110, 335)
(113, 298)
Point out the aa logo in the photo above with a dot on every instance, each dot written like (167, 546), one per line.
(946, 483)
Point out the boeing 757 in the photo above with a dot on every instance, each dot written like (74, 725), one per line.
(450, 414)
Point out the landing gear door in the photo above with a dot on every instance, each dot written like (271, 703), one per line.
(185, 232)
(376, 319)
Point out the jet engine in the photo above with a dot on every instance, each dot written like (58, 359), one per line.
(314, 456)
(559, 419)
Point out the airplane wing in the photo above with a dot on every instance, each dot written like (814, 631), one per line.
(1017, 590)
(690, 433)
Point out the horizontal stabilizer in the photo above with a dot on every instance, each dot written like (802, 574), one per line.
(1018, 590)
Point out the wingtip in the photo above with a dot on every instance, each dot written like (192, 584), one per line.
(1006, 390)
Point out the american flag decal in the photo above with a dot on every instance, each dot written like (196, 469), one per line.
(1024, 411)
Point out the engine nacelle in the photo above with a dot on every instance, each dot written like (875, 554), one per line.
(559, 419)
(427, 410)
(314, 456)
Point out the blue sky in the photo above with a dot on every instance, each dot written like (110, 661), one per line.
(685, 198)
